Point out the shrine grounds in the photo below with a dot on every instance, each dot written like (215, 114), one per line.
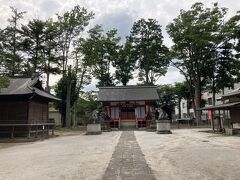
(185, 154)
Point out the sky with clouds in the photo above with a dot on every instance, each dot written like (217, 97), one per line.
(119, 14)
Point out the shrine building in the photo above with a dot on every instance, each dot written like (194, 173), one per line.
(128, 105)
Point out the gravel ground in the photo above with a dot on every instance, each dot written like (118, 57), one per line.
(191, 155)
(68, 157)
(184, 155)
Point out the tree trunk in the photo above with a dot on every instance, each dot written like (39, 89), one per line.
(147, 78)
(68, 106)
(179, 108)
(197, 103)
(48, 76)
(188, 109)
(197, 93)
(68, 99)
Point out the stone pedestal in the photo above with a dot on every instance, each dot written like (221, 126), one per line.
(163, 127)
(231, 132)
(93, 129)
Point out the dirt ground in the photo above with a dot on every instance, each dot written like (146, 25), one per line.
(185, 154)
(191, 155)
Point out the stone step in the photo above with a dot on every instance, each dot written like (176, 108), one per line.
(126, 124)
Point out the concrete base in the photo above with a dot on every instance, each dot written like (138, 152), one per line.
(231, 132)
(93, 129)
(163, 127)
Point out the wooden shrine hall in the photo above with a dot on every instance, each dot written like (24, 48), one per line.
(128, 106)
(24, 108)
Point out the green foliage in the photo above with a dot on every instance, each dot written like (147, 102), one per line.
(33, 45)
(201, 48)
(86, 105)
(4, 82)
(148, 50)
(11, 44)
(70, 25)
(181, 90)
(167, 95)
(101, 50)
(61, 90)
(124, 64)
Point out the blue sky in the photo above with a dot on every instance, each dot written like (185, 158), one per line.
(118, 14)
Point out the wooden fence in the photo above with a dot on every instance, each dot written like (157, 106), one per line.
(27, 130)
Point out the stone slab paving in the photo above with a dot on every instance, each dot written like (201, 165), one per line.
(128, 161)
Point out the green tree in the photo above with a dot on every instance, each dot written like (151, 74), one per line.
(148, 50)
(195, 34)
(33, 46)
(124, 64)
(70, 26)
(181, 91)
(51, 55)
(86, 105)
(11, 44)
(4, 82)
(166, 94)
(61, 91)
(102, 50)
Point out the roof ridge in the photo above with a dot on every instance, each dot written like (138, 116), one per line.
(125, 87)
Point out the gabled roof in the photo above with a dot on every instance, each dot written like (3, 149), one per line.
(235, 92)
(221, 106)
(26, 86)
(128, 93)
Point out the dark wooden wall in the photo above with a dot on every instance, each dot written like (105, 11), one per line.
(38, 112)
(13, 112)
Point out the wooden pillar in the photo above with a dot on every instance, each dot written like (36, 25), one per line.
(212, 120)
(42, 130)
(36, 131)
(47, 130)
(29, 131)
(220, 122)
(12, 132)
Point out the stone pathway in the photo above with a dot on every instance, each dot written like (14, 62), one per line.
(128, 161)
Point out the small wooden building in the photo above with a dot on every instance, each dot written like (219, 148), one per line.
(24, 107)
(226, 116)
(56, 116)
(128, 105)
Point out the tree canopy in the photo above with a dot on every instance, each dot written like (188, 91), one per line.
(148, 50)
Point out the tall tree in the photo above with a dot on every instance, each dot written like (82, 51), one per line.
(62, 92)
(124, 64)
(193, 34)
(33, 45)
(102, 50)
(51, 55)
(70, 26)
(166, 94)
(181, 91)
(148, 50)
(12, 43)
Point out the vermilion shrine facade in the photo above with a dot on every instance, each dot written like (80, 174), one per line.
(128, 105)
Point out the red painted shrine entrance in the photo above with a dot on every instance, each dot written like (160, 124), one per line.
(128, 105)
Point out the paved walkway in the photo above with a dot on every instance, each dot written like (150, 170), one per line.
(128, 161)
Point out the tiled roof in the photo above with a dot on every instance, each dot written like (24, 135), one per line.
(127, 93)
(24, 86)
